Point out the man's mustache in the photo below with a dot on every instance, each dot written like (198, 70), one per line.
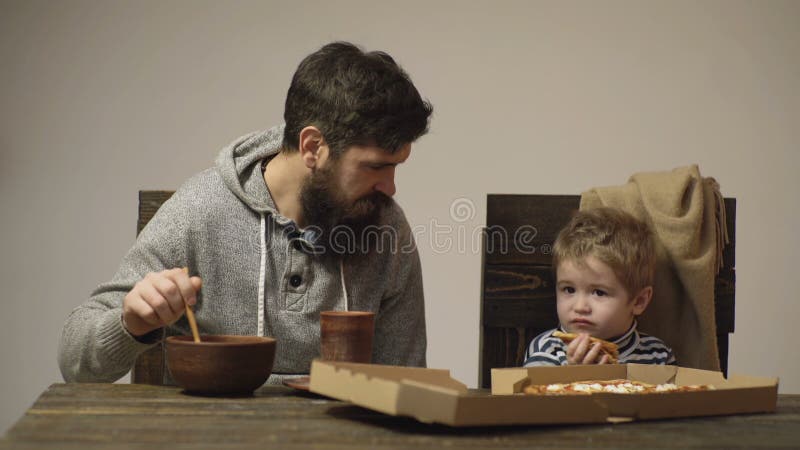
(375, 200)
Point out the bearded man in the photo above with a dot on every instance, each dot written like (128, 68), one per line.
(278, 231)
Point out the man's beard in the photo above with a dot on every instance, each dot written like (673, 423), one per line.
(342, 224)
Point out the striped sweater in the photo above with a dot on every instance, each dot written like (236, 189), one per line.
(634, 347)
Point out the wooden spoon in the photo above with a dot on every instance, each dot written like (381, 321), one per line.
(190, 316)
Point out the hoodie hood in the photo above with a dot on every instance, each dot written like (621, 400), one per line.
(239, 165)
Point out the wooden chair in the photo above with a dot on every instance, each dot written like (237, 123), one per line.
(518, 293)
(150, 365)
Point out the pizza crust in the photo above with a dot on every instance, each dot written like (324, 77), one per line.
(606, 348)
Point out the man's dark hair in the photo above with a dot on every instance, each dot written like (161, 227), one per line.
(354, 98)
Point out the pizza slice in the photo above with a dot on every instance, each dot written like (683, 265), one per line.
(619, 386)
(606, 348)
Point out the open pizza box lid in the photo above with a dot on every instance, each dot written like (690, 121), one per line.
(433, 396)
(735, 395)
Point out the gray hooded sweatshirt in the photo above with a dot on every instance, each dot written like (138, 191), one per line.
(224, 226)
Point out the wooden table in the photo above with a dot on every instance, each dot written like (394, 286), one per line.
(121, 416)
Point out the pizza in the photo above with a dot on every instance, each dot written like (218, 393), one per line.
(619, 386)
(606, 348)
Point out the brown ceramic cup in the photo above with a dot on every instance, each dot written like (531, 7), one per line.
(220, 365)
(347, 335)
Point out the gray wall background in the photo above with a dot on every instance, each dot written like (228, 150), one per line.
(103, 98)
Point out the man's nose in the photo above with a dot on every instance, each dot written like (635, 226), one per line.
(386, 185)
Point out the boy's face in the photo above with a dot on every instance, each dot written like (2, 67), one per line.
(590, 299)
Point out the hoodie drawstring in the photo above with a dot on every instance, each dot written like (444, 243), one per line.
(262, 270)
(344, 287)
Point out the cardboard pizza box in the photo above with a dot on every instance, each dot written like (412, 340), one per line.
(735, 395)
(433, 396)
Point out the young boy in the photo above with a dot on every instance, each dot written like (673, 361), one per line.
(605, 263)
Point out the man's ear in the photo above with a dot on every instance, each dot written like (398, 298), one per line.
(642, 299)
(313, 149)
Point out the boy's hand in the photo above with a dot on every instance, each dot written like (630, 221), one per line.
(158, 300)
(580, 351)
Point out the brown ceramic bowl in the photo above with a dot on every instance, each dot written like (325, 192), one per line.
(220, 365)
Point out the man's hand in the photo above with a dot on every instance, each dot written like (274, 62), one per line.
(158, 300)
(580, 351)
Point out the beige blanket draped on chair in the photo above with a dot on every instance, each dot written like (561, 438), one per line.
(687, 214)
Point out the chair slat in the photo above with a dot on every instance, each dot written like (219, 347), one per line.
(150, 366)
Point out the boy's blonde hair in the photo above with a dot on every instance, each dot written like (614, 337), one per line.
(618, 239)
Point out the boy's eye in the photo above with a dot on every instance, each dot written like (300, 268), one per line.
(568, 289)
(600, 293)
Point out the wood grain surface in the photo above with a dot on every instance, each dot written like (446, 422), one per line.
(122, 416)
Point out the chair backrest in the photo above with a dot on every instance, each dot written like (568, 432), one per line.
(150, 365)
(518, 292)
